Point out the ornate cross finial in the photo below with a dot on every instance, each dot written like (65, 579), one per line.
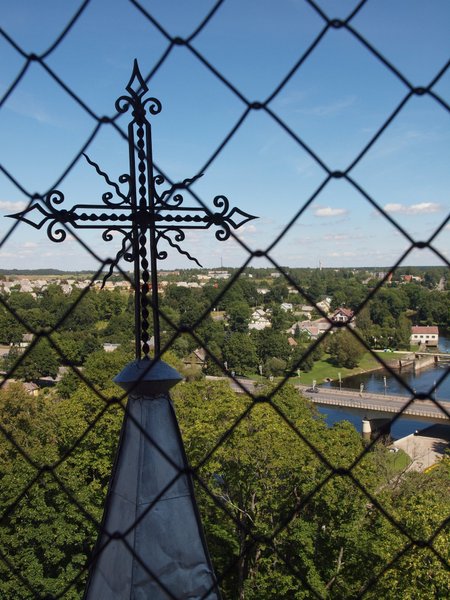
(142, 215)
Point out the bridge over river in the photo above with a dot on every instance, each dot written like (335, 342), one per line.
(368, 405)
(377, 405)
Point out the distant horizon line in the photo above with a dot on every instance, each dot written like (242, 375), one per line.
(53, 271)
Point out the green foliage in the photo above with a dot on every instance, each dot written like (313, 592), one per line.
(345, 349)
(44, 533)
(76, 348)
(260, 477)
(275, 366)
(270, 343)
(40, 361)
(278, 519)
(11, 330)
(275, 510)
(240, 353)
(238, 316)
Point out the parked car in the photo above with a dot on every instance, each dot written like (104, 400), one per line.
(313, 389)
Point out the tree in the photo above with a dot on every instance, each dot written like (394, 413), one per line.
(45, 534)
(238, 316)
(11, 330)
(402, 334)
(41, 361)
(76, 348)
(279, 318)
(275, 366)
(278, 292)
(345, 350)
(270, 344)
(260, 478)
(299, 360)
(240, 353)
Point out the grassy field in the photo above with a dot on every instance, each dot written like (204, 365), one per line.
(324, 369)
(398, 461)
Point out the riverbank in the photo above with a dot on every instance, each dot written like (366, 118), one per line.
(425, 447)
(324, 370)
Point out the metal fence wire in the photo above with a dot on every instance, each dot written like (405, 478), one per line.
(48, 469)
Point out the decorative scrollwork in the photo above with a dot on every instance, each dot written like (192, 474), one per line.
(143, 217)
(56, 235)
(123, 103)
(223, 203)
(161, 254)
(108, 196)
(177, 199)
(124, 252)
(153, 105)
(158, 179)
(224, 233)
(179, 237)
(54, 197)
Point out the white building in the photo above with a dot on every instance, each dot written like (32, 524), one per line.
(286, 306)
(427, 335)
(259, 320)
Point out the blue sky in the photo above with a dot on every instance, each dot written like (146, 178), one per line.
(335, 103)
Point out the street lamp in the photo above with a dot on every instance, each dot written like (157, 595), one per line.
(340, 381)
(385, 384)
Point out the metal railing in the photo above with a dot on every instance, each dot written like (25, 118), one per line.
(49, 467)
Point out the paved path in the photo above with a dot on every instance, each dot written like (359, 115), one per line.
(425, 447)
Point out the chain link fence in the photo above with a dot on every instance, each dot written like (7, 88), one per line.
(46, 472)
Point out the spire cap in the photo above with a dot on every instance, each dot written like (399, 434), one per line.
(147, 377)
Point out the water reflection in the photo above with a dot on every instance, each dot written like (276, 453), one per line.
(382, 381)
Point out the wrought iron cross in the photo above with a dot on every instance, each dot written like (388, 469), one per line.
(142, 216)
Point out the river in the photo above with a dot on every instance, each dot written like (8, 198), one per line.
(375, 381)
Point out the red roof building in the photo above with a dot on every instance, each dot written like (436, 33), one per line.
(425, 334)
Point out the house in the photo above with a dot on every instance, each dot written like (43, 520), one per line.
(25, 286)
(427, 335)
(286, 306)
(313, 328)
(324, 305)
(218, 274)
(342, 315)
(196, 359)
(109, 347)
(306, 310)
(259, 320)
(27, 338)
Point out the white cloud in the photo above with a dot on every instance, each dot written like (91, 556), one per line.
(341, 254)
(247, 229)
(331, 109)
(10, 205)
(413, 209)
(327, 211)
(336, 237)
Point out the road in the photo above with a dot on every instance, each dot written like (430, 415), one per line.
(377, 403)
(364, 402)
